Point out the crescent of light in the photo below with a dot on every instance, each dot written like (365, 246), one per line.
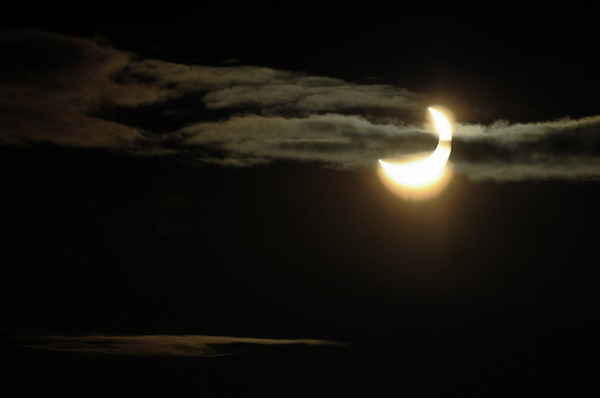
(424, 172)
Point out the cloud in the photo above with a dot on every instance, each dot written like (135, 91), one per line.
(52, 88)
(67, 91)
(271, 91)
(338, 140)
(50, 84)
(161, 345)
(561, 149)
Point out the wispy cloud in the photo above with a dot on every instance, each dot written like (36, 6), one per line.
(53, 88)
(270, 90)
(563, 149)
(51, 84)
(160, 345)
(339, 140)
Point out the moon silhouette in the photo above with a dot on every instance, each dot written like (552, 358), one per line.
(423, 176)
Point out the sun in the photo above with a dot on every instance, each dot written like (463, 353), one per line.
(421, 177)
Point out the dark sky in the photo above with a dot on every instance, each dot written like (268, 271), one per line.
(519, 61)
(177, 170)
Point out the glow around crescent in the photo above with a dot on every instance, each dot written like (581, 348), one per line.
(424, 172)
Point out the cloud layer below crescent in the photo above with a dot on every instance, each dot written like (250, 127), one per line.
(160, 345)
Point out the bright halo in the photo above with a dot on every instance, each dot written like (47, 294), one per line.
(421, 177)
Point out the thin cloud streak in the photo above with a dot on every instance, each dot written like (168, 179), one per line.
(161, 345)
(567, 149)
(347, 142)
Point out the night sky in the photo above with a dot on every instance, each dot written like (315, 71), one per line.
(190, 205)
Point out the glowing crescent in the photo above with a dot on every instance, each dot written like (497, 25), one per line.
(426, 171)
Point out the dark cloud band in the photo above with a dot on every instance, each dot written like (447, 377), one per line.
(160, 345)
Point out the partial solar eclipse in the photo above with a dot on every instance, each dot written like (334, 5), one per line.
(423, 176)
